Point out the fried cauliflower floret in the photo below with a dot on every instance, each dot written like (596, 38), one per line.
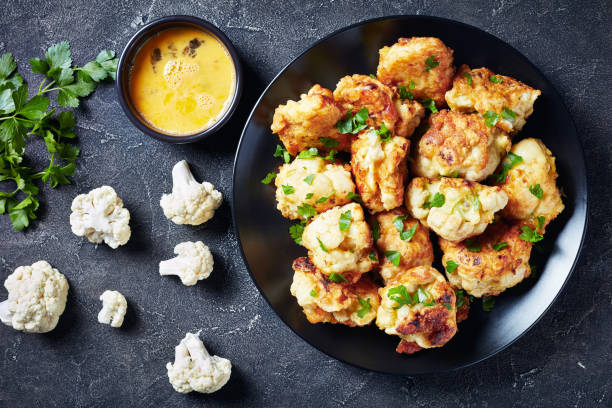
(339, 241)
(453, 208)
(482, 95)
(461, 145)
(537, 167)
(405, 235)
(316, 182)
(302, 124)
(410, 115)
(426, 61)
(501, 263)
(326, 301)
(419, 307)
(380, 170)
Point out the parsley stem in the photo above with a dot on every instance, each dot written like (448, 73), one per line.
(46, 88)
(7, 117)
(49, 90)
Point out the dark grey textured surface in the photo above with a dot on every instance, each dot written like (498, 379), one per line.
(563, 361)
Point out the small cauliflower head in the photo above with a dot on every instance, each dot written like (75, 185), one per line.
(460, 144)
(480, 90)
(324, 301)
(113, 310)
(193, 263)
(419, 306)
(454, 208)
(190, 202)
(36, 298)
(313, 182)
(489, 263)
(339, 241)
(99, 216)
(380, 169)
(403, 240)
(196, 370)
(537, 168)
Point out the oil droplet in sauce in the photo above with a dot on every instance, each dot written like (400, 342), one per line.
(182, 80)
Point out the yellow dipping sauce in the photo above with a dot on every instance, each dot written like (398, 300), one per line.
(182, 80)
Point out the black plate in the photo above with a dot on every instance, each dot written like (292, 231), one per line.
(269, 251)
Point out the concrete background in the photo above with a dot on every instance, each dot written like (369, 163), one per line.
(563, 361)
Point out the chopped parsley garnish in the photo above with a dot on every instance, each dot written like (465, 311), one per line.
(355, 197)
(308, 154)
(487, 303)
(451, 266)
(324, 199)
(372, 76)
(469, 77)
(430, 104)
(448, 306)
(491, 118)
(409, 233)
(313, 293)
(366, 307)
(384, 133)
(268, 179)
(411, 85)
(306, 211)
(296, 231)
(472, 246)
(499, 246)
(508, 163)
(424, 297)
(336, 277)
(287, 189)
(398, 222)
(353, 124)
(345, 220)
(394, 257)
(308, 180)
(309, 196)
(281, 152)
(373, 256)
(495, 79)
(331, 155)
(375, 230)
(530, 235)
(541, 221)
(431, 63)
(536, 190)
(508, 114)
(460, 294)
(436, 201)
(454, 174)
(401, 296)
(329, 142)
(404, 93)
(321, 245)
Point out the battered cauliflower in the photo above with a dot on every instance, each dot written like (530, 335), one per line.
(490, 263)
(339, 241)
(419, 307)
(196, 370)
(537, 168)
(303, 124)
(36, 298)
(113, 310)
(190, 202)
(315, 182)
(406, 236)
(460, 144)
(193, 263)
(324, 301)
(512, 100)
(380, 170)
(426, 62)
(453, 208)
(99, 216)
(410, 115)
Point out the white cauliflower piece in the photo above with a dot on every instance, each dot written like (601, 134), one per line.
(99, 215)
(114, 307)
(190, 203)
(193, 263)
(196, 370)
(36, 300)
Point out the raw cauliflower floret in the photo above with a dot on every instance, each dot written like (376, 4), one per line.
(537, 168)
(196, 370)
(489, 271)
(380, 169)
(454, 208)
(36, 298)
(193, 263)
(190, 202)
(339, 241)
(419, 306)
(99, 216)
(461, 145)
(114, 307)
(482, 95)
(410, 115)
(315, 182)
(402, 234)
(305, 123)
(426, 62)
(351, 304)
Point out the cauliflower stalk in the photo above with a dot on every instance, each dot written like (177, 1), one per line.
(193, 263)
(114, 307)
(99, 215)
(36, 300)
(190, 202)
(196, 370)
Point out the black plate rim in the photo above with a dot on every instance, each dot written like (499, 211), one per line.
(581, 157)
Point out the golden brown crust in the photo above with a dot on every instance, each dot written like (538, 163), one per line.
(463, 311)
(301, 125)
(410, 115)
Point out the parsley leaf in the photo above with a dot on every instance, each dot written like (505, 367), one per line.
(313, 293)
(309, 196)
(541, 221)
(269, 177)
(321, 245)
(345, 220)
(287, 189)
(354, 196)
(308, 180)
(372, 76)
(296, 231)
(487, 303)
(491, 118)
(508, 114)
(336, 277)
(499, 246)
(409, 233)
(437, 201)
(495, 79)
(330, 155)
(373, 256)
(324, 199)
(384, 133)
(430, 104)
(394, 257)
(536, 190)
(530, 235)
(451, 266)
(430, 63)
(401, 296)
(281, 152)
(375, 230)
(398, 222)
(469, 77)
(472, 246)
(448, 306)
(509, 162)
(353, 124)
(460, 295)
(306, 211)
(404, 93)
(308, 154)
(329, 142)
(366, 307)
